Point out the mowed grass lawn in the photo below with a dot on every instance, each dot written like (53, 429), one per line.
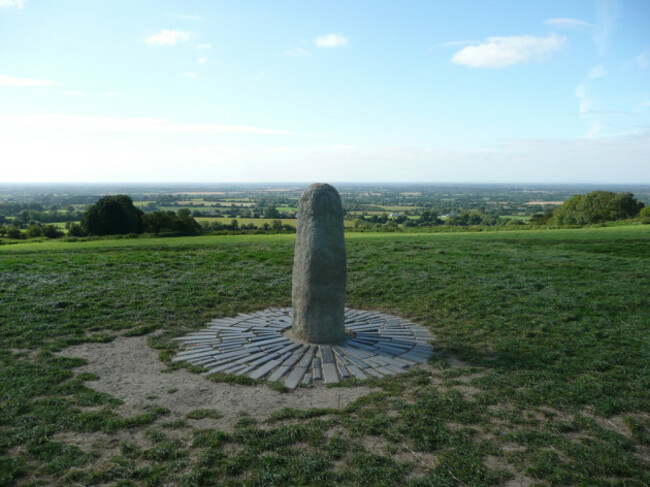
(541, 374)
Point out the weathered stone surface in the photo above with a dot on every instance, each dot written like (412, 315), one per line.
(318, 287)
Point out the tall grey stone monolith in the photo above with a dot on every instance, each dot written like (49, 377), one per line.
(318, 286)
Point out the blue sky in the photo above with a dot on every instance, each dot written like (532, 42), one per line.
(409, 91)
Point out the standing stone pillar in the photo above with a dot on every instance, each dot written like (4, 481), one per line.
(318, 285)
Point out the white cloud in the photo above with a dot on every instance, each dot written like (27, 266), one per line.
(500, 52)
(597, 72)
(12, 3)
(191, 75)
(296, 52)
(84, 123)
(642, 60)
(565, 23)
(6, 80)
(204, 46)
(74, 93)
(331, 40)
(203, 60)
(111, 93)
(168, 37)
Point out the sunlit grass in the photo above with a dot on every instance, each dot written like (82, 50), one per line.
(552, 328)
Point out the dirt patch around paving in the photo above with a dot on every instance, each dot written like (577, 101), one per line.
(130, 370)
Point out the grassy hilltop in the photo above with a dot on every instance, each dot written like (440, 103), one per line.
(541, 374)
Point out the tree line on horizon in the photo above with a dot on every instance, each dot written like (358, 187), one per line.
(117, 215)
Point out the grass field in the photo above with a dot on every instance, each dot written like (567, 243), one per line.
(258, 222)
(541, 374)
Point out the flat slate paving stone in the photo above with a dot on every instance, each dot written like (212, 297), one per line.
(254, 344)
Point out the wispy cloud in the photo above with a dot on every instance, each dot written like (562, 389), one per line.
(296, 52)
(500, 52)
(202, 60)
(595, 119)
(74, 93)
(586, 104)
(6, 80)
(606, 13)
(331, 40)
(13, 3)
(601, 31)
(202, 47)
(195, 18)
(85, 123)
(597, 72)
(566, 23)
(168, 37)
(191, 75)
(642, 60)
(111, 93)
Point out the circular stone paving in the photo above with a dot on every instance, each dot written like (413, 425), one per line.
(257, 345)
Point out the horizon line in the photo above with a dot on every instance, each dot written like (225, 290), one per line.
(316, 181)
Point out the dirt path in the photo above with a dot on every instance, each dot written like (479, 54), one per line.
(130, 370)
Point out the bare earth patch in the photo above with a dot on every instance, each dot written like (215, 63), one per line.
(131, 371)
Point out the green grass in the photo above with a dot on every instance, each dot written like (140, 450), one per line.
(552, 327)
(258, 222)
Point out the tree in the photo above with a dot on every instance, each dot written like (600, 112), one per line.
(34, 231)
(596, 207)
(50, 231)
(428, 217)
(113, 215)
(76, 230)
(185, 224)
(645, 215)
(181, 223)
(271, 212)
(14, 232)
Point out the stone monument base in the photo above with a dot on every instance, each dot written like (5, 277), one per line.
(257, 345)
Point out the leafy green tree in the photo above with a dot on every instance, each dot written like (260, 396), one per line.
(596, 207)
(428, 217)
(271, 212)
(76, 230)
(185, 224)
(645, 215)
(181, 223)
(475, 218)
(158, 221)
(34, 231)
(50, 231)
(14, 232)
(113, 215)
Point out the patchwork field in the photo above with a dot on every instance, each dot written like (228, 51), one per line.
(541, 374)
